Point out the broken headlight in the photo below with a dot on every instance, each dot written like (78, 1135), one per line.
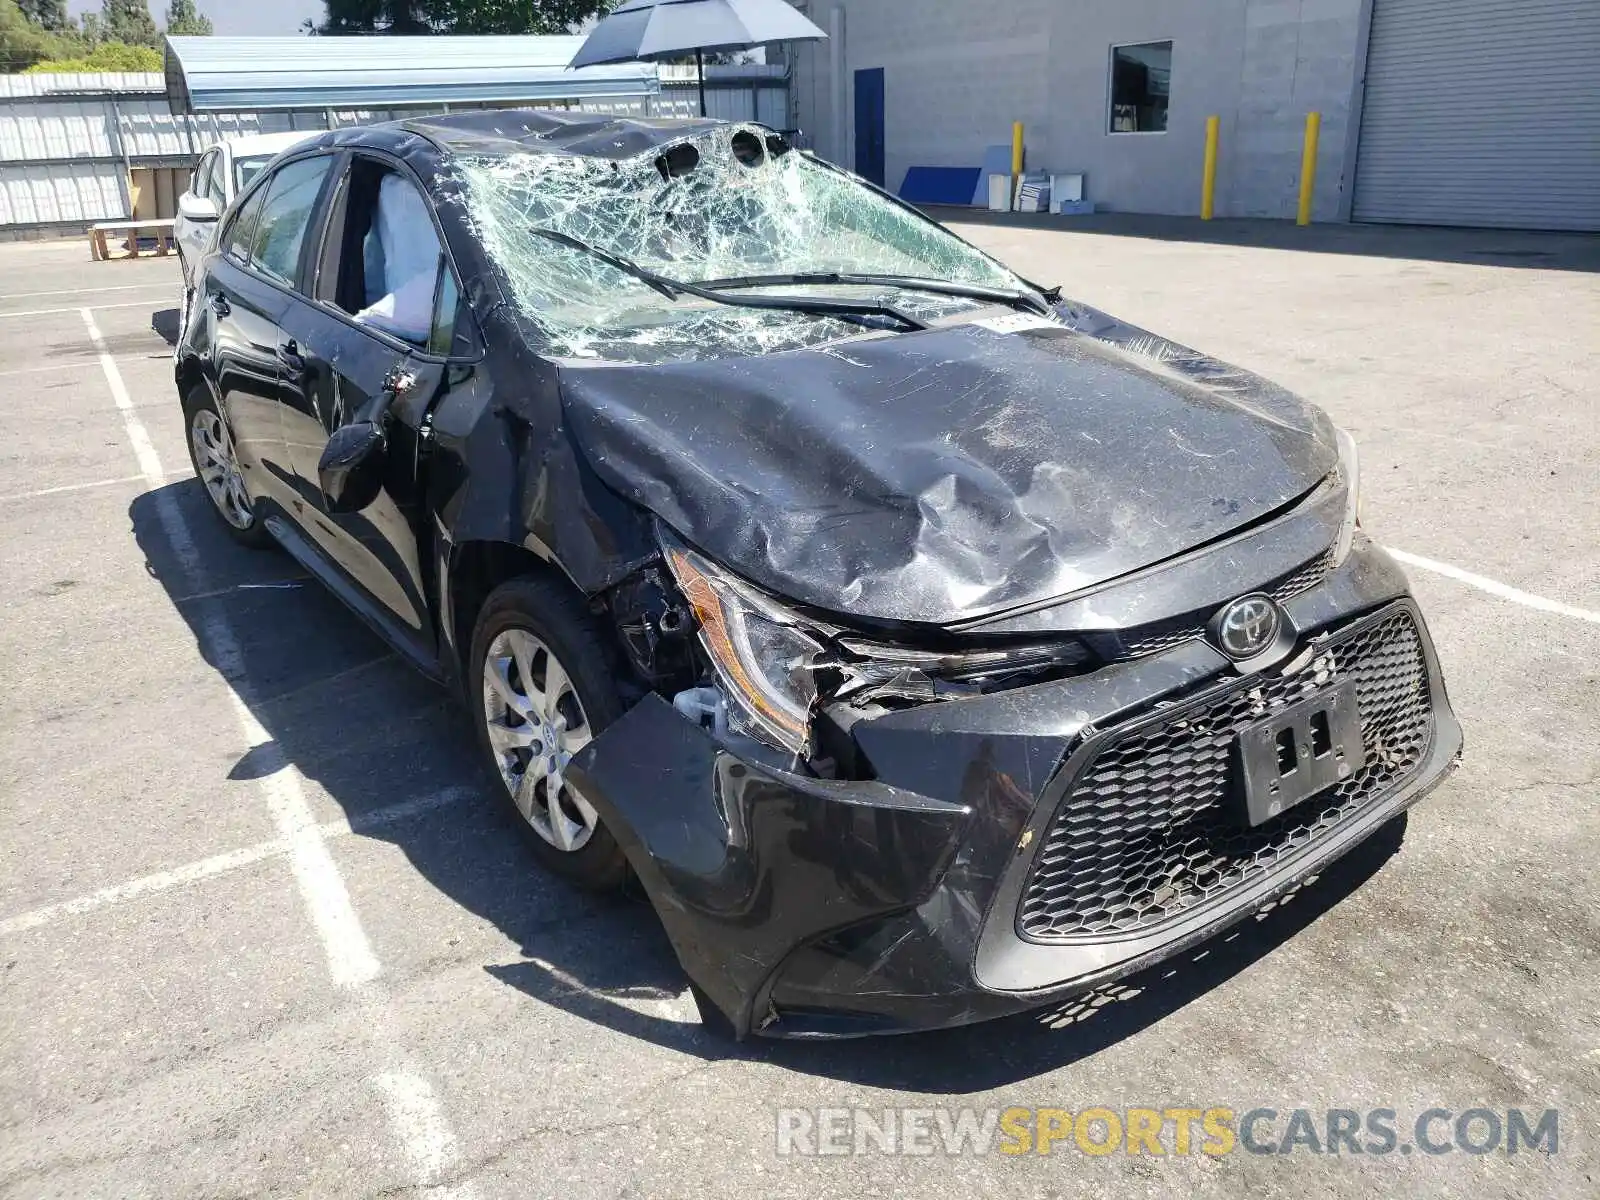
(764, 659)
(776, 666)
(1350, 470)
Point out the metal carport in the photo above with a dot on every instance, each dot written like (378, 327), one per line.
(208, 74)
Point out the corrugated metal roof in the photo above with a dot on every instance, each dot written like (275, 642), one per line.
(69, 83)
(220, 73)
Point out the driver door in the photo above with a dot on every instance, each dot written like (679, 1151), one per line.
(383, 301)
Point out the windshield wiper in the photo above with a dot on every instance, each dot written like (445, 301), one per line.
(852, 310)
(1031, 301)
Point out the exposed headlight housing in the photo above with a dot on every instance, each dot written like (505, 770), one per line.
(763, 657)
(775, 665)
(1350, 472)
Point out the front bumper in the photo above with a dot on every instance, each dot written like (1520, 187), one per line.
(805, 907)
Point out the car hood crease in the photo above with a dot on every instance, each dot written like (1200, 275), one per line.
(944, 476)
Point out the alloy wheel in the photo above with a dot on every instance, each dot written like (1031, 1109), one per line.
(536, 723)
(219, 468)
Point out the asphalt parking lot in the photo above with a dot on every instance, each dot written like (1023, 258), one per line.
(261, 932)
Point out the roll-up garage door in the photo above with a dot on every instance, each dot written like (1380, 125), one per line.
(1482, 112)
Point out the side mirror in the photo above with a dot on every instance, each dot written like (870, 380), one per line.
(351, 469)
(194, 208)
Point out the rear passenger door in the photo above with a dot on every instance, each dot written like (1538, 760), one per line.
(384, 300)
(245, 296)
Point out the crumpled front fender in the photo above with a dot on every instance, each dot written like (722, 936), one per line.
(744, 863)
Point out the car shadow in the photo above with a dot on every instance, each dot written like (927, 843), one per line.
(380, 739)
(1480, 247)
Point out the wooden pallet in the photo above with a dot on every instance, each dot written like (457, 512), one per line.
(160, 228)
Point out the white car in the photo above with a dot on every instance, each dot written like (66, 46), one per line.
(221, 174)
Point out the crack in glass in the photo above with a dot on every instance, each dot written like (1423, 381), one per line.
(741, 211)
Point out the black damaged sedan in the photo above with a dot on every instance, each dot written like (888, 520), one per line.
(929, 646)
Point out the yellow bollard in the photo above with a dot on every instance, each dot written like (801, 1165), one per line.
(1016, 162)
(1208, 184)
(1308, 167)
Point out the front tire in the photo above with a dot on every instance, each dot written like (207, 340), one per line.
(216, 463)
(542, 689)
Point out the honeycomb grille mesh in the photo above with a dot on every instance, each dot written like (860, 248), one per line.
(1153, 639)
(1308, 576)
(1148, 829)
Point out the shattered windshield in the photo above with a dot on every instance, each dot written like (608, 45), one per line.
(733, 203)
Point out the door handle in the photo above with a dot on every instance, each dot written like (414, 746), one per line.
(289, 355)
(219, 304)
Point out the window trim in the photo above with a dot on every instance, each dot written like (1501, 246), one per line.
(328, 308)
(1111, 72)
(197, 181)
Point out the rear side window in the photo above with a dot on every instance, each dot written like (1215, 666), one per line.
(291, 197)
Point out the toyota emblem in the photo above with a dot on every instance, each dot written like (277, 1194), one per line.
(1247, 626)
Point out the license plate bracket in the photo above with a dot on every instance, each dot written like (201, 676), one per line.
(1299, 751)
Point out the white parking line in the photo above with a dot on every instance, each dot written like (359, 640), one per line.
(419, 1126)
(78, 291)
(60, 366)
(84, 487)
(45, 312)
(1495, 588)
(220, 864)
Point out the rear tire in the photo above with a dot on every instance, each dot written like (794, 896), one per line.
(540, 688)
(217, 465)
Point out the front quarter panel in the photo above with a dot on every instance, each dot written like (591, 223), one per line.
(743, 863)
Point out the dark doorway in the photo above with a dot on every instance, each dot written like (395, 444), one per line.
(869, 125)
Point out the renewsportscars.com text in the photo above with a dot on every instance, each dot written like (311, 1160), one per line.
(1214, 1131)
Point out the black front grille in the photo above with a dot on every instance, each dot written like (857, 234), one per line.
(1152, 639)
(1308, 576)
(1148, 829)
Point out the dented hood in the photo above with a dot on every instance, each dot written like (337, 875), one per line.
(952, 474)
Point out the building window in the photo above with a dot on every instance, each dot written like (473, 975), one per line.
(1141, 82)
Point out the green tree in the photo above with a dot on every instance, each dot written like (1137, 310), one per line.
(458, 16)
(130, 21)
(108, 56)
(185, 20)
(22, 42)
(92, 28)
(50, 15)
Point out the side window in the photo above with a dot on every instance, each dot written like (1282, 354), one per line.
(386, 274)
(291, 197)
(242, 228)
